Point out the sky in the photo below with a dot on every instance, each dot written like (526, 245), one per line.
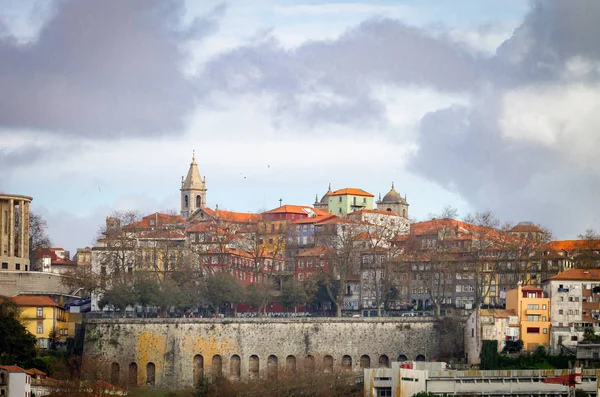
(476, 105)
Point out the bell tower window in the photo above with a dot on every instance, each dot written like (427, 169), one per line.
(198, 201)
(186, 201)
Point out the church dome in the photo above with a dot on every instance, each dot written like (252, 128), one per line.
(324, 199)
(392, 196)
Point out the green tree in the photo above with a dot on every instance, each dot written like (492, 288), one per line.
(119, 296)
(490, 359)
(220, 288)
(293, 294)
(589, 336)
(17, 345)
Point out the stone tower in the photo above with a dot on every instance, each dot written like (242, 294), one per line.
(193, 190)
(393, 202)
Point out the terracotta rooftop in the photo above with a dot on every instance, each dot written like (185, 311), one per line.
(34, 300)
(531, 288)
(315, 251)
(231, 216)
(578, 274)
(314, 219)
(497, 313)
(156, 220)
(14, 369)
(294, 209)
(350, 191)
(574, 245)
(526, 227)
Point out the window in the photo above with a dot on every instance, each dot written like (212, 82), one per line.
(301, 264)
(574, 338)
(40, 329)
(18, 266)
(533, 330)
(384, 392)
(560, 311)
(270, 240)
(40, 311)
(544, 307)
(340, 199)
(544, 318)
(533, 318)
(545, 330)
(300, 276)
(4, 265)
(309, 263)
(533, 307)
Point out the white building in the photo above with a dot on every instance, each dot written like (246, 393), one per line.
(14, 381)
(493, 324)
(574, 306)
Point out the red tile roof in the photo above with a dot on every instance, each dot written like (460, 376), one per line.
(231, 216)
(578, 274)
(350, 191)
(34, 300)
(365, 236)
(292, 209)
(14, 369)
(574, 245)
(160, 220)
(531, 288)
(316, 251)
(526, 227)
(314, 219)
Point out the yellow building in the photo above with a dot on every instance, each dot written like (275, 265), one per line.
(533, 310)
(41, 314)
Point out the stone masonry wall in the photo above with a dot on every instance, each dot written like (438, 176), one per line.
(182, 350)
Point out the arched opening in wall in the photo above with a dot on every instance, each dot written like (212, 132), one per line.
(384, 361)
(254, 366)
(115, 368)
(365, 361)
(132, 379)
(150, 374)
(235, 367)
(388, 209)
(402, 358)
(198, 201)
(327, 364)
(309, 363)
(186, 200)
(198, 369)
(404, 213)
(346, 363)
(420, 357)
(217, 367)
(272, 367)
(290, 364)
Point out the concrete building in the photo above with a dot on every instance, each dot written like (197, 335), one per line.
(14, 381)
(575, 305)
(53, 260)
(406, 382)
(14, 232)
(489, 324)
(533, 310)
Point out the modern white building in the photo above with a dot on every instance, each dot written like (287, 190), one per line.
(14, 381)
(574, 306)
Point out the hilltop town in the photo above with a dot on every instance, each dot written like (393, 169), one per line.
(346, 255)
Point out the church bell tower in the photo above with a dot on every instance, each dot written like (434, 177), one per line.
(193, 190)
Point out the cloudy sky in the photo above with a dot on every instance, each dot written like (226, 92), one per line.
(478, 105)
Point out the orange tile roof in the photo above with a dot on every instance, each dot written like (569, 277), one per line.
(36, 371)
(350, 191)
(531, 288)
(231, 216)
(14, 369)
(366, 211)
(34, 300)
(160, 221)
(365, 236)
(334, 220)
(314, 219)
(578, 274)
(574, 245)
(315, 251)
(526, 228)
(497, 313)
(293, 209)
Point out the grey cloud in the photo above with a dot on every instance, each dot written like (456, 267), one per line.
(101, 68)
(377, 52)
(466, 151)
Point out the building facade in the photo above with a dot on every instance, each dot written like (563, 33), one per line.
(14, 232)
(344, 201)
(489, 324)
(14, 381)
(193, 191)
(40, 315)
(533, 310)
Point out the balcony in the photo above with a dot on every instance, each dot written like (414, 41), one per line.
(563, 289)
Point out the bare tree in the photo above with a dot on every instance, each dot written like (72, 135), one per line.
(38, 236)
(587, 252)
(342, 256)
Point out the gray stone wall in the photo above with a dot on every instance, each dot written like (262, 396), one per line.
(14, 283)
(124, 348)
